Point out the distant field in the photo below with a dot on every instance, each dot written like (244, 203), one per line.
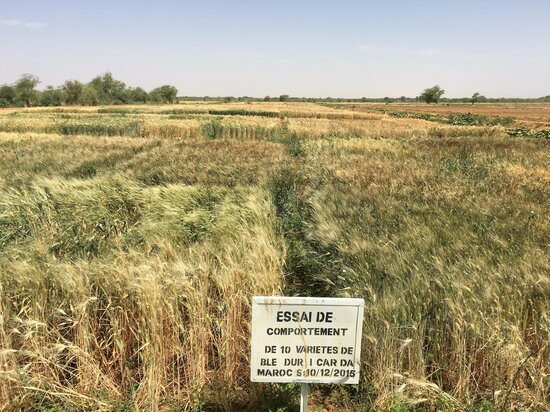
(535, 115)
(132, 239)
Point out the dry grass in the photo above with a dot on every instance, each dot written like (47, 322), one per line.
(450, 241)
(131, 244)
(23, 157)
(280, 109)
(111, 291)
(229, 127)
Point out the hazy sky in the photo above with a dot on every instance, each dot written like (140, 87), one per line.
(302, 48)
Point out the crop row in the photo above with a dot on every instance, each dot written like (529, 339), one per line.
(464, 119)
(231, 127)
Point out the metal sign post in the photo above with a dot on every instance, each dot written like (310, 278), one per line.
(304, 389)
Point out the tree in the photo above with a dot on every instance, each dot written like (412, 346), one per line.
(7, 95)
(89, 96)
(267, 99)
(72, 90)
(432, 95)
(51, 97)
(164, 94)
(25, 92)
(136, 95)
(476, 98)
(284, 98)
(108, 89)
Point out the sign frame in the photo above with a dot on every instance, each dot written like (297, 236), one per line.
(261, 305)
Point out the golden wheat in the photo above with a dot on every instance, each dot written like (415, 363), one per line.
(132, 239)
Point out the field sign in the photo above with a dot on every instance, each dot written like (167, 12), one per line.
(307, 340)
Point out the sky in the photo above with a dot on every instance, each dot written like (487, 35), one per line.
(338, 48)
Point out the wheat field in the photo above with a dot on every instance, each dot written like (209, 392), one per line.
(132, 239)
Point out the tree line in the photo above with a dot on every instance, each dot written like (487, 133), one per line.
(430, 98)
(104, 89)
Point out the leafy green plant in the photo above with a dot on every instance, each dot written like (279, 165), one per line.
(526, 132)
(212, 129)
(294, 145)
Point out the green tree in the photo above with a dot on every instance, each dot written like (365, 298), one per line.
(476, 98)
(136, 95)
(284, 97)
(432, 95)
(72, 90)
(108, 89)
(7, 95)
(51, 97)
(25, 90)
(89, 96)
(164, 94)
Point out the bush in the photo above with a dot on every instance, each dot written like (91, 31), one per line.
(212, 129)
(526, 132)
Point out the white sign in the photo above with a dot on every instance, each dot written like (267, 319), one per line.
(308, 340)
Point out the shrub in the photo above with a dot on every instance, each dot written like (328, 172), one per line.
(212, 129)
